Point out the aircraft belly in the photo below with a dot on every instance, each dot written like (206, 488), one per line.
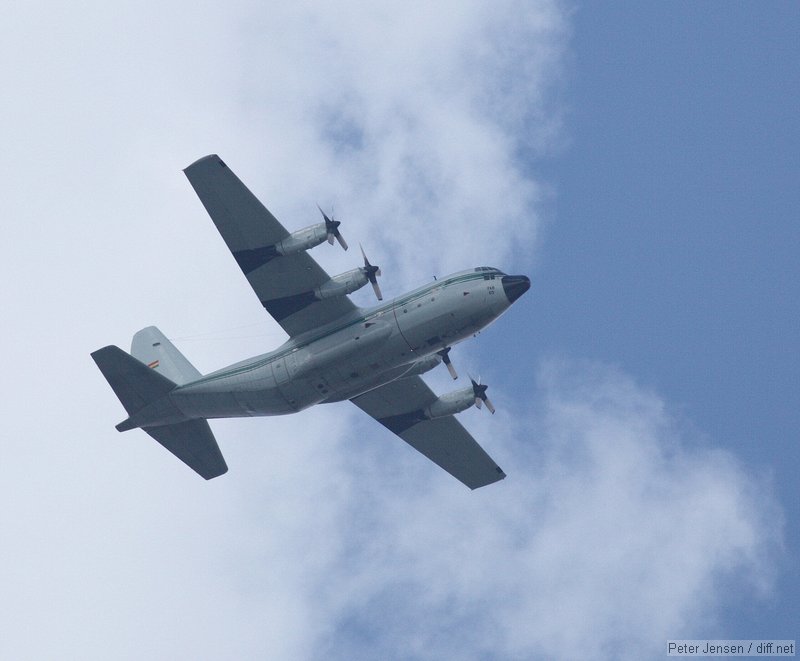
(264, 402)
(340, 366)
(349, 344)
(251, 390)
(362, 370)
(422, 328)
(208, 404)
(356, 387)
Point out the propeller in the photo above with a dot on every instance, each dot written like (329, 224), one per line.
(444, 354)
(371, 272)
(332, 227)
(480, 395)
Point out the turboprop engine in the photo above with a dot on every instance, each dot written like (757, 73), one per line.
(303, 239)
(312, 236)
(350, 281)
(459, 400)
(344, 283)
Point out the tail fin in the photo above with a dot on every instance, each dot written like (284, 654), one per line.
(151, 347)
(144, 394)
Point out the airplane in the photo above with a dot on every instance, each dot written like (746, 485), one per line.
(336, 351)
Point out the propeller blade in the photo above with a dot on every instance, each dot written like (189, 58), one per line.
(371, 272)
(324, 215)
(445, 356)
(480, 395)
(332, 227)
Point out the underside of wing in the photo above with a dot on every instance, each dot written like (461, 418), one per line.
(284, 284)
(399, 406)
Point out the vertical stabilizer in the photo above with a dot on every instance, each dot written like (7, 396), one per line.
(151, 347)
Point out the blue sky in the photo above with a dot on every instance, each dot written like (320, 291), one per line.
(673, 251)
(638, 161)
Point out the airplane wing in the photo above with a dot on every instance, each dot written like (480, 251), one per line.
(398, 406)
(283, 284)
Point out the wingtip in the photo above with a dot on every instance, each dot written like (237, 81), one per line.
(125, 425)
(211, 158)
(487, 482)
(214, 474)
(97, 354)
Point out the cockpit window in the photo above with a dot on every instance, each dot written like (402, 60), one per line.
(490, 269)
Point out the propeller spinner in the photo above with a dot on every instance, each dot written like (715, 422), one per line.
(371, 272)
(480, 395)
(332, 227)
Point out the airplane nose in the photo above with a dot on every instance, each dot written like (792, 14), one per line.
(515, 286)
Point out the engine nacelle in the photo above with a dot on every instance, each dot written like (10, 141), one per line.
(452, 402)
(342, 284)
(303, 239)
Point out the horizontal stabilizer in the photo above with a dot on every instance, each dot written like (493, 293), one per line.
(144, 391)
(135, 384)
(194, 444)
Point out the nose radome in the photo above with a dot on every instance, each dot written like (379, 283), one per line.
(515, 286)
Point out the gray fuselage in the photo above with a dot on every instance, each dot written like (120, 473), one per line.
(358, 353)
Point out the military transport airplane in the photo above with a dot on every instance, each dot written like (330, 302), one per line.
(336, 351)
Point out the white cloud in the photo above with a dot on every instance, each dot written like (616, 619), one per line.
(609, 536)
(328, 537)
(409, 117)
